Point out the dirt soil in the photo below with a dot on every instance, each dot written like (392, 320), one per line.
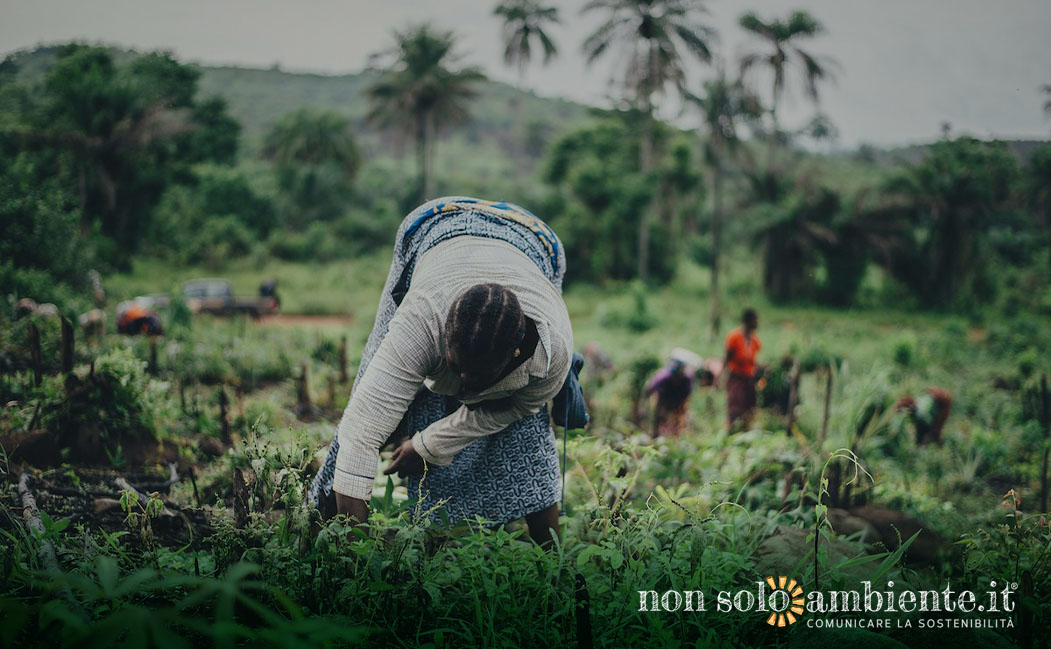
(90, 497)
(293, 320)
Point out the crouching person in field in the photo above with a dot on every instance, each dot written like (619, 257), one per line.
(471, 341)
(673, 385)
(928, 414)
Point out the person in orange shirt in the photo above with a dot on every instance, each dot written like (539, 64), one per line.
(742, 345)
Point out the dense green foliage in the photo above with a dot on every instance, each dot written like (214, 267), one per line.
(86, 156)
(697, 512)
(155, 172)
(93, 159)
(315, 161)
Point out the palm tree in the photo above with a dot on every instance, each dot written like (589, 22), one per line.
(1036, 191)
(820, 128)
(654, 33)
(312, 137)
(793, 232)
(110, 133)
(780, 41)
(421, 91)
(315, 160)
(723, 107)
(524, 23)
(951, 199)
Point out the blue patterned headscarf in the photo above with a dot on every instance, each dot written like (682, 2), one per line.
(501, 209)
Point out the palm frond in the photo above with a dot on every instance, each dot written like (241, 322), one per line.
(550, 49)
(598, 42)
(696, 39)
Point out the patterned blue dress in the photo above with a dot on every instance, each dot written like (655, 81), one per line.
(503, 476)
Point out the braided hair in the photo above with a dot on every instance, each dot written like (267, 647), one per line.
(484, 325)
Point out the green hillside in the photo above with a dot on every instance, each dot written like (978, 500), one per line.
(259, 97)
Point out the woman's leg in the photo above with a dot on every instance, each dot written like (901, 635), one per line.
(543, 526)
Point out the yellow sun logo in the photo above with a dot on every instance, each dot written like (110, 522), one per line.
(786, 600)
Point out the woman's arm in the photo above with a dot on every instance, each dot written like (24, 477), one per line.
(381, 397)
(441, 441)
(656, 381)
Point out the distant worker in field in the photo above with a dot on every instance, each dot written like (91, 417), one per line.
(600, 365)
(471, 340)
(269, 289)
(673, 385)
(928, 414)
(742, 345)
(133, 319)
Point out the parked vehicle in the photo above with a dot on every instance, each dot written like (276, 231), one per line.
(216, 296)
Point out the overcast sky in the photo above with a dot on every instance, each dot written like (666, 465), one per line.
(905, 66)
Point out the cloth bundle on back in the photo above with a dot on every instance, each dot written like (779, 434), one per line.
(489, 446)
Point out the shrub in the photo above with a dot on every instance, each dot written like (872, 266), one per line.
(905, 352)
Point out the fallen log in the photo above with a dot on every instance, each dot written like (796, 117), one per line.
(173, 477)
(31, 513)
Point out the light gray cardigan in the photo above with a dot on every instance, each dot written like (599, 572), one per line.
(413, 354)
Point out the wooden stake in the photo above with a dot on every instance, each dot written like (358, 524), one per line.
(193, 481)
(1025, 615)
(34, 351)
(828, 402)
(67, 346)
(343, 360)
(583, 611)
(303, 389)
(793, 393)
(224, 420)
(152, 367)
(240, 488)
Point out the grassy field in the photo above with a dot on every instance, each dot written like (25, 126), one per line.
(874, 352)
(707, 511)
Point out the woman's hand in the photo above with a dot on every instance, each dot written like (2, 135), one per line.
(353, 507)
(405, 461)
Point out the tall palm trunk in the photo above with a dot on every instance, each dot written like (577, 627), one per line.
(772, 143)
(717, 230)
(645, 164)
(425, 154)
(82, 196)
(421, 157)
(518, 131)
(428, 185)
(646, 154)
